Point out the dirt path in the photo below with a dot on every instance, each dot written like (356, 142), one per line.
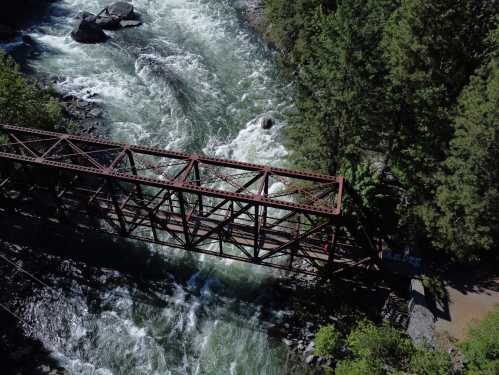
(469, 300)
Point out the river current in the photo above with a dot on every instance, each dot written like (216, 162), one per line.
(191, 78)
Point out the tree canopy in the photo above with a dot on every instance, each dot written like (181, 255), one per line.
(408, 88)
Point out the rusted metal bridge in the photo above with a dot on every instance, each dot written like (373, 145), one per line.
(296, 221)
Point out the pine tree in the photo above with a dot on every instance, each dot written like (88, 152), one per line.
(466, 220)
(340, 82)
(432, 48)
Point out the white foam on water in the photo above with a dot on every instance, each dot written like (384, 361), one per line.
(233, 366)
(191, 78)
(253, 145)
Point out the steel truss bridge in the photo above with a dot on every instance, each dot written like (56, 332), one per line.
(295, 221)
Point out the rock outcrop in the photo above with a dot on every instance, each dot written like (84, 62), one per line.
(266, 122)
(87, 31)
(421, 319)
(121, 10)
(130, 23)
(116, 16)
(108, 22)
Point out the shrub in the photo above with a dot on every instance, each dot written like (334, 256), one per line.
(482, 347)
(359, 367)
(327, 341)
(426, 361)
(385, 344)
(25, 104)
(436, 288)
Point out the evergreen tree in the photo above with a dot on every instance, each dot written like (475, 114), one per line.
(340, 109)
(288, 19)
(432, 48)
(379, 81)
(466, 219)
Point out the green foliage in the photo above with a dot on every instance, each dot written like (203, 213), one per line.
(431, 48)
(436, 288)
(482, 347)
(380, 80)
(428, 361)
(359, 367)
(364, 182)
(288, 19)
(387, 350)
(328, 341)
(384, 343)
(337, 64)
(465, 221)
(22, 103)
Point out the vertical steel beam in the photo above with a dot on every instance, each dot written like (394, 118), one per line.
(265, 194)
(117, 207)
(332, 245)
(294, 248)
(134, 171)
(220, 244)
(183, 214)
(140, 191)
(256, 233)
(154, 231)
(54, 179)
(197, 177)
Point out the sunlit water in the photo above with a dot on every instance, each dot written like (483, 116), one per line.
(191, 78)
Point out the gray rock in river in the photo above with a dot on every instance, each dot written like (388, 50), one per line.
(122, 10)
(108, 23)
(266, 122)
(118, 15)
(86, 31)
(87, 16)
(130, 23)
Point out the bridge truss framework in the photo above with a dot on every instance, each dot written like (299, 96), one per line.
(274, 217)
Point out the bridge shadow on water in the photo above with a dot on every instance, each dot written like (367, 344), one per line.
(48, 247)
(62, 258)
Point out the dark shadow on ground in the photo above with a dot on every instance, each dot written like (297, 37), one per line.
(477, 278)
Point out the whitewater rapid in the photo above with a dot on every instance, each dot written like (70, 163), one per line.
(192, 78)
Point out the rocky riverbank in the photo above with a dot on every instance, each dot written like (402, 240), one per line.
(84, 115)
(341, 302)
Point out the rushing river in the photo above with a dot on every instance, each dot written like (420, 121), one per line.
(193, 78)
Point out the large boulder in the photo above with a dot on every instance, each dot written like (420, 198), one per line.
(6, 33)
(130, 23)
(108, 22)
(265, 122)
(87, 16)
(86, 31)
(122, 10)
